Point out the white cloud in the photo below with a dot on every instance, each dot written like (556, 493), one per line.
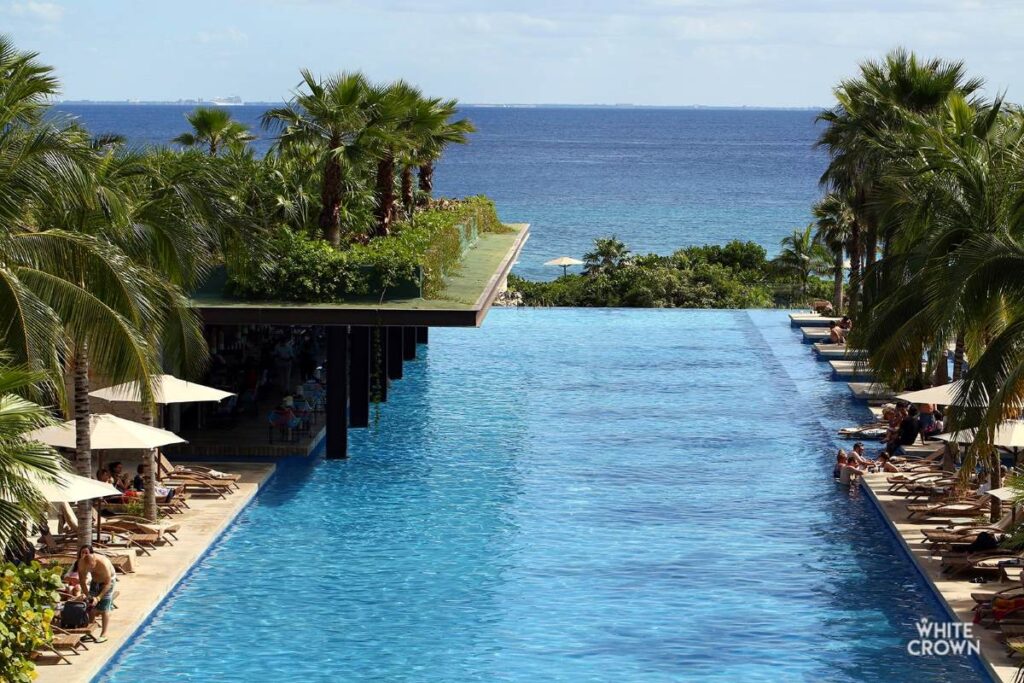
(49, 12)
(228, 35)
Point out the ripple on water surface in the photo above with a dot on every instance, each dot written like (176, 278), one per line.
(566, 495)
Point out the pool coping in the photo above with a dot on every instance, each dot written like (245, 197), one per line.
(187, 571)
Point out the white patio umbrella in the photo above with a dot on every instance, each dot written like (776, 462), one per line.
(107, 432)
(564, 262)
(166, 389)
(70, 488)
(943, 395)
(1009, 434)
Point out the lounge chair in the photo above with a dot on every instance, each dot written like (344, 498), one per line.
(952, 508)
(166, 529)
(990, 561)
(167, 468)
(66, 558)
(966, 534)
(110, 538)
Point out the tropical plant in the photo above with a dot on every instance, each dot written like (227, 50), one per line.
(28, 594)
(801, 257)
(608, 255)
(329, 116)
(833, 219)
(213, 128)
(429, 148)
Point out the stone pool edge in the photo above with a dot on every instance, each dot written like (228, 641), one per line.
(101, 668)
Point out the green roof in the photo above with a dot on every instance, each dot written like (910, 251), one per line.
(464, 302)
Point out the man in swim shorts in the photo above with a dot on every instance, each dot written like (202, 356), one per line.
(96, 571)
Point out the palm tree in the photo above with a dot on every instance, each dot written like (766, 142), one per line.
(801, 257)
(22, 462)
(833, 219)
(866, 108)
(608, 255)
(432, 146)
(214, 128)
(328, 115)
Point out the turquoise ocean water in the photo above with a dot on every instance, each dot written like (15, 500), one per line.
(659, 179)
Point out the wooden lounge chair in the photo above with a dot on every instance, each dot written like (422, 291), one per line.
(110, 538)
(66, 558)
(953, 508)
(164, 528)
(66, 640)
(988, 561)
(966, 534)
(168, 469)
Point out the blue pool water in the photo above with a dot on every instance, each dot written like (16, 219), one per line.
(566, 495)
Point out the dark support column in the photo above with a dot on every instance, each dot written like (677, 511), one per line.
(409, 343)
(336, 411)
(359, 376)
(395, 355)
(421, 335)
(379, 364)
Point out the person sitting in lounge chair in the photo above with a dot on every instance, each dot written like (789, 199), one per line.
(139, 484)
(907, 433)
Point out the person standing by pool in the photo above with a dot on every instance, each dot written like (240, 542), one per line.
(97, 570)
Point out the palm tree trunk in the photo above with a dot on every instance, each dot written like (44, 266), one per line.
(854, 251)
(837, 287)
(213, 147)
(83, 439)
(871, 248)
(941, 367)
(958, 357)
(385, 194)
(149, 475)
(426, 180)
(996, 482)
(330, 202)
(408, 196)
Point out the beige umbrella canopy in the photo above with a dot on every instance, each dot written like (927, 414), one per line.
(166, 389)
(107, 432)
(943, 395)
(70, 488)
(1009, 434)
(564, 262)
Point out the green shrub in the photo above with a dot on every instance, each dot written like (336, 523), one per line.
(28, 594)
(733, 276)
(308, 269)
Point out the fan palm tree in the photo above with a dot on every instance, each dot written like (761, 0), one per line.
(213, 128)
(432, 146)
(866, 107)
(801, 257)
(833, 219)
(609, 254)
(328, 115)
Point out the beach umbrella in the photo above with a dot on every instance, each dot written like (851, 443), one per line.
(70, 488)
(564, 262)
(166, 389)
(108, 432)
(943, 395)
(1009, 434)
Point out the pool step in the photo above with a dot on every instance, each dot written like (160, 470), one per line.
(814, 334)
(810, 320)
(828, 351)
(850, 369)
(871, 392)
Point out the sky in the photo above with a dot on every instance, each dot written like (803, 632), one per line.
(775, 53)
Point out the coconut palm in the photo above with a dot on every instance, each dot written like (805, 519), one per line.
(328, 115)
(213, 128)
(801, 257)
(609, 254)
(22, 462)
(833, 219)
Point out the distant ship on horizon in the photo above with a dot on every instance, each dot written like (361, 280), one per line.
(233, 101)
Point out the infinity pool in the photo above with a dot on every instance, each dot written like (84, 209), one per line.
(566, 495)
